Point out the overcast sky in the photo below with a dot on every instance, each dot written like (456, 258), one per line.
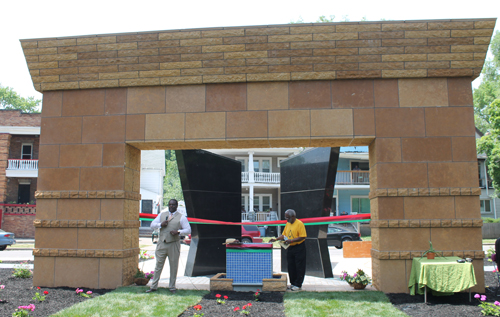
(52, 18)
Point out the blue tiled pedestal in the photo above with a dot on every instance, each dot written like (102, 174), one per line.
(248, 264)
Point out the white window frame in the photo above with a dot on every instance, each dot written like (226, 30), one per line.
(359, 161)
(485, 211)
(260, 159)
(260, 200)
(281, 159)
(245, 160)
(26, 144)
(358, 196)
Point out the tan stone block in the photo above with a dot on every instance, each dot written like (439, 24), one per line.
(455, 191)
(449, 121)
(444, 191)
(452, 174)
(406, 26)
(52, 104)
(388, 150)
(402, 175)
(429, 207)
(146, 100)
(205, 125)
(95, 238)
(475, 191)
(64, 223)
(416, 238)
(313, 75)
(396, 122)
(393, 223)
(224, 78)
(267, 96)
(403, 192)
(332, 122)
(268, 77)
(74, 209)
(404, 73)
(120, 75)
(77, 271)
(435, 223)
(471, 33)
(165, 126)
(423, 192)
(106, 178)
(251, 54)
(335, 36)
(96, 40)
(413, 192)
(185, 80)
(445, 223)
(103, 129)
(56, 238)
(464, 149)
(292, 123)
(61, 130)
(392, 192)
(430, 92)
(456, 223)
(477, 222)
(43, 274)
(250, 124)
(394, 255)
(457, 239)
(58, 179)
(80, 155)
(404, 223)
(465, 191)
(46, 209)
(414, 223)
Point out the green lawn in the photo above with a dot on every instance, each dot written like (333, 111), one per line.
(319, 304)
(132, 301)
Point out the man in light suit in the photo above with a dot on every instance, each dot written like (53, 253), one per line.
(171, 224)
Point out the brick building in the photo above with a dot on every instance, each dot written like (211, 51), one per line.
(19, 145)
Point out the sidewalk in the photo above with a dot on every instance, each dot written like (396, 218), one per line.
(311, 283)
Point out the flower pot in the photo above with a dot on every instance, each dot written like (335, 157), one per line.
(431, 255)
(141, 280)
(358, 285)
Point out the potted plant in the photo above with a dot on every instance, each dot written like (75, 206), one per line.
(359, 280)
(431, 253)
(141, 278)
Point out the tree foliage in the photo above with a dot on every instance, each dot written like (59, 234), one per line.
(487, 112)
(171, 183)
(489, 89)
(10, 100)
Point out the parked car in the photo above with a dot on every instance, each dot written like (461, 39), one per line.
(250, 234)
(336, 236)
(6, 239)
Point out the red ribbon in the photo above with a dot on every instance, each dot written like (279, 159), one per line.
(276, 222)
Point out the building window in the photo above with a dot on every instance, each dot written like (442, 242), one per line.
(360, 205)
(243, 164)
(261, 202)
(485, 205)
(281, 159)
(147, 206)
(262, 165)
(26, 151)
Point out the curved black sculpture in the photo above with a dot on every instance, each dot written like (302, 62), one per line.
(307, 184)
(211, 185)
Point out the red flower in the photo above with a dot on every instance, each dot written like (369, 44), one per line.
(258, 290)
(218, 295)
(244, 306)
(249, 304)
(236, 309)
(45, 293)
(225, 297)
(197, 307)
(38, 288)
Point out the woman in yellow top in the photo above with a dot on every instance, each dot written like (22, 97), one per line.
(294, 234)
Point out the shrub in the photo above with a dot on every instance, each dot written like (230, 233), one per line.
(22, 270)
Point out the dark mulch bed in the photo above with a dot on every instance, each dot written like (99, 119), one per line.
(20, 292)
(269, 305)
(444, 306)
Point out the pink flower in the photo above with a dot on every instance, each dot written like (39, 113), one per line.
(2, 286)
(89, 292)
(78, 291)
(249, 304)
(477, 296)
(496, 303)
(483, 298)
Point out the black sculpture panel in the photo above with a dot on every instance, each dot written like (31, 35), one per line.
(211, 185)
(307, 185)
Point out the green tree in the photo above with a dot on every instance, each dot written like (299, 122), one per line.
(489, 89)
(171, 183)
(490, 144)
(10, 100)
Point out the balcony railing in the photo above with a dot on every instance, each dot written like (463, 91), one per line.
(343, 178)
(22, 165)
(353, 178)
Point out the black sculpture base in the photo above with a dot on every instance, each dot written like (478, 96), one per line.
(209, 255)
(317, 263)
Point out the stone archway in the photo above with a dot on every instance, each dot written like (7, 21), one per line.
(403, 88)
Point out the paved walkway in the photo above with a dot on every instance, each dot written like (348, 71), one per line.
(311, 283)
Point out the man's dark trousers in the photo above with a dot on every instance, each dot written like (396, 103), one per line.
(296, 258)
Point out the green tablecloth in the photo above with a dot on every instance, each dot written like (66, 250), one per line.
(443, 275)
